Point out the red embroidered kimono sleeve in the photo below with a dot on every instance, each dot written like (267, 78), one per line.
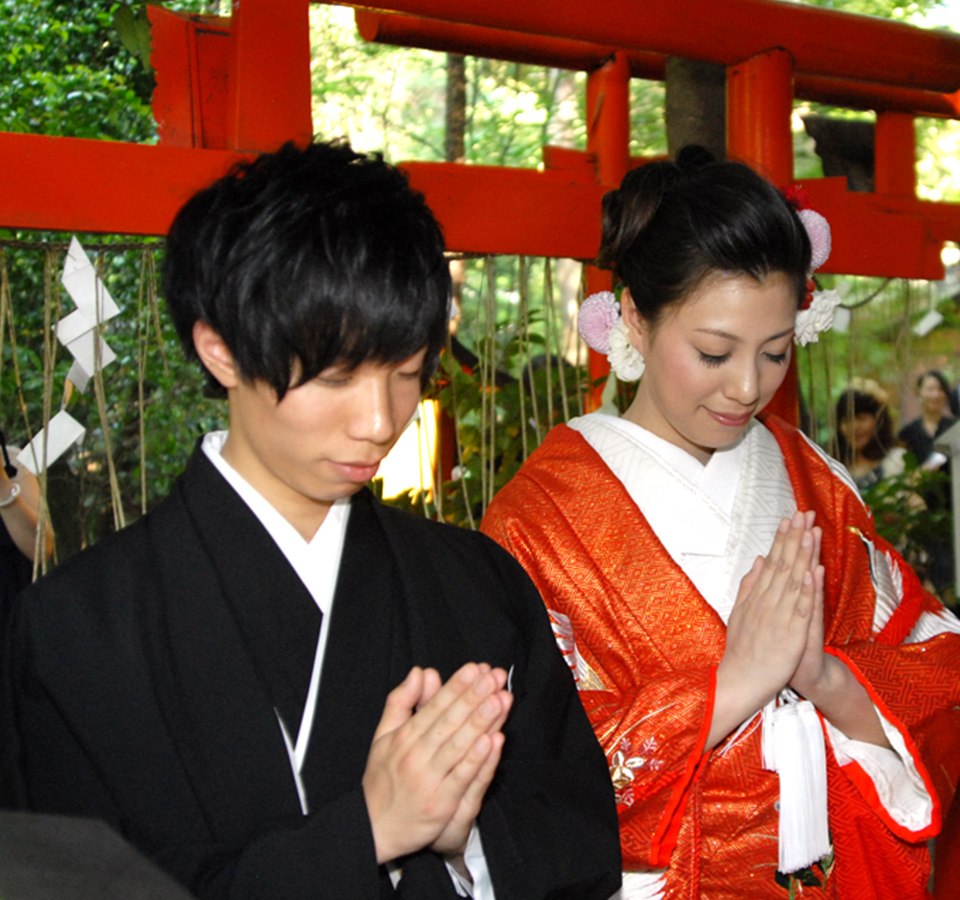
(646, 675)
(912, 677)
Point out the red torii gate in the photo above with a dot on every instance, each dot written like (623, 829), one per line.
(230, 87)
(227, 87)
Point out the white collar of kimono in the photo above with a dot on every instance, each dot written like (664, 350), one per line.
(709, 490)
(292, 544)
(317, 564)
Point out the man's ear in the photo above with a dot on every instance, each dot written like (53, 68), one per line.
(215, 355)
(637, 326)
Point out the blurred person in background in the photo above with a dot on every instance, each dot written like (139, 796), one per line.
(865, 441)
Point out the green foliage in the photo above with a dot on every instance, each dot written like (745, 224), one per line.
(910, 511)
(879, 344)
(133, 29)
(154, 408)
(648, 133)
(500, 418)
(886, 9)
(392, 99)
(365, 92)
(938, 160)
(64, 72)
(814, 875)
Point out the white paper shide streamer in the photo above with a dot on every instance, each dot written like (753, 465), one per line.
(79, 333)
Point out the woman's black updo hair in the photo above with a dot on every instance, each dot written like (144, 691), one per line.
(670, 224)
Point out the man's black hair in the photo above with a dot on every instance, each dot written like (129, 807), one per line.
(309, 257)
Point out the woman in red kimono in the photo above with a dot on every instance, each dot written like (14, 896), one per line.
(775, 692)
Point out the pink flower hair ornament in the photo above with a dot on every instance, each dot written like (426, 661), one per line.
(602, 327)
(598, 314)
(818, 231)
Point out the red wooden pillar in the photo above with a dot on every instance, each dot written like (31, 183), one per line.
(895, 154)
(759, 108)
(269, 99)
(239, 83)
(895, 176)
(608, 137)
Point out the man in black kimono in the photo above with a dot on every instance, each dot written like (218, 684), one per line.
(273, 685)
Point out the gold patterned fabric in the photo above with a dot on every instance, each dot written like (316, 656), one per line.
(650, 644)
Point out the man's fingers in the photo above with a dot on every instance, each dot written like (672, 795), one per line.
(506, 704)
(401, 702)
(472, 778)
(431, 686)
(454, 703)
(475, 772)
(447, 754)
(433, 757)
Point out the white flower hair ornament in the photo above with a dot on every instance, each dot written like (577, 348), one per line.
(816, 316)
(819, 307)
(602, 327)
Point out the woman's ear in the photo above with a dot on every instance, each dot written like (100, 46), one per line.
(637, 326)
(215, 355)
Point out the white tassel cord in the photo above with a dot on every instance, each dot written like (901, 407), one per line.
(793, 746)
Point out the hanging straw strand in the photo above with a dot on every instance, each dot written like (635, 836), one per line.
(143, 335)
(488, 417)
(556, 341)
(527, 356)
(51, 314)
(116, 497)
(523, 347)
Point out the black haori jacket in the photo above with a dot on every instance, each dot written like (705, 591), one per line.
(141, 689)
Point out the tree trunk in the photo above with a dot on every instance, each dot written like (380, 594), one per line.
(696, 105)
(456, 126)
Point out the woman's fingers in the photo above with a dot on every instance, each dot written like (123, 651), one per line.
(792, 552)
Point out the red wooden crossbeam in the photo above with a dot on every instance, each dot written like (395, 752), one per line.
(534, 49)
(230, 87)
(71, 184)
(102, 186)
(822, 42)
(489, 209)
